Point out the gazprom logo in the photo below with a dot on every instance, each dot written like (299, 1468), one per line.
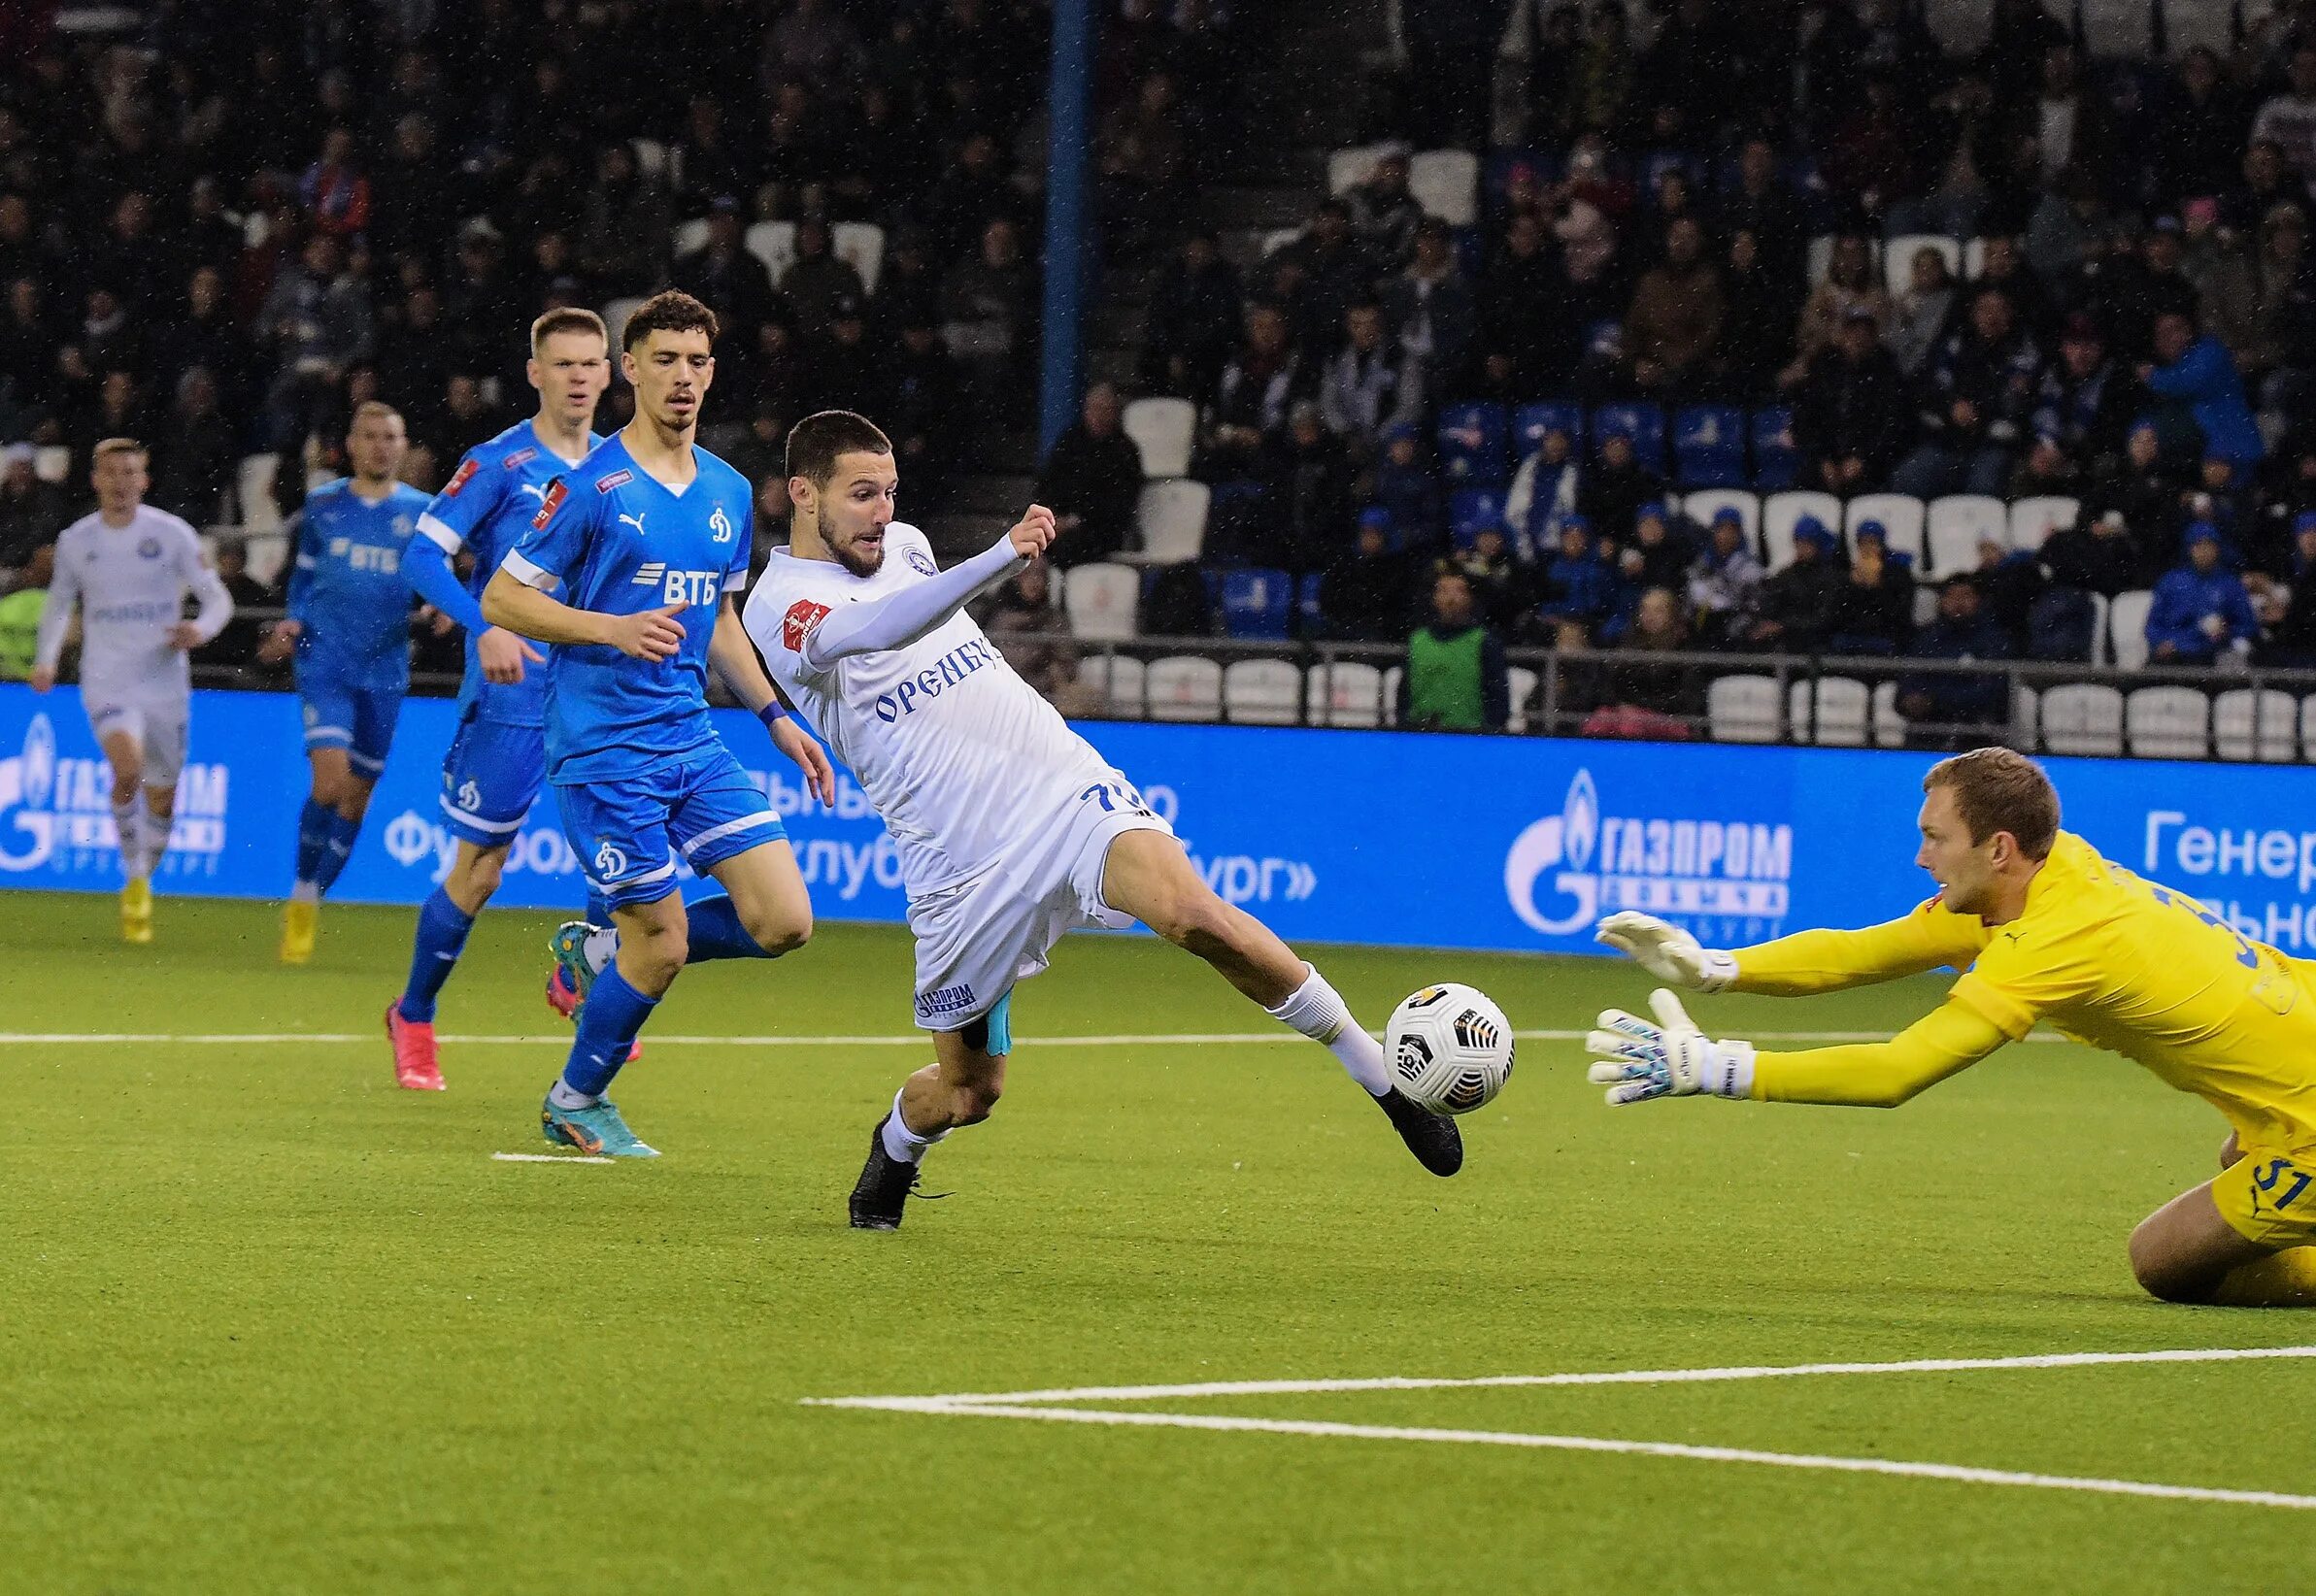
(1567, 870)
(27, 832)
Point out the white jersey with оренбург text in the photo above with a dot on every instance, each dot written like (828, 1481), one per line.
(962, 758)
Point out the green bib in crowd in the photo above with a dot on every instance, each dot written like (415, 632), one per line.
(1443, 679)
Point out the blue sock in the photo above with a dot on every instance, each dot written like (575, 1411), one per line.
(615, 1013)
(442, 936)
(598, 910)
(335, 851)
(714, 932)
(313, 823)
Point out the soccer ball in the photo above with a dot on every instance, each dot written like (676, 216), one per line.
(1451, 1048)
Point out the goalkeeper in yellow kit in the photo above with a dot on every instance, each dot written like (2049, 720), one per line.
(2042, 928)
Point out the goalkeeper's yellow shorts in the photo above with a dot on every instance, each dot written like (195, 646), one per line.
(2269, 1196)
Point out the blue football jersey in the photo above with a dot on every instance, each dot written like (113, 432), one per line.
(612, 539)
(486, 506)
(346, 588)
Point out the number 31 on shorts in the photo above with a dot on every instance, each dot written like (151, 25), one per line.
(1115, 796)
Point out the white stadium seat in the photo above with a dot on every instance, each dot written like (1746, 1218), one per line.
(1446, 184)
(1183, 687)
(651, 158)
(2024, 714)
(1103, 602)
(1840, 714)
(1973, 258)
(2168, 723)
(267, 553)
(2100, 654)
(1172, 515)
(1957, 526)
(1346, 693)
(1705, 502)
(1277, 239)
(862, 245)
(2031, 520)
(1781, 513)
(1394, 674)
(253, 493)
(1901, 514)
(1890, 726)
(2307, 728)
(1116, 678)
(51, 463)
(1743, 709)
(690, 235)
(2249, 724)
(2082, 717)
(2127, 628)
(1163, 430)
(1346, 168)
(774, 243)
(1523, 683)
(1897, 257)
(1262, 692)
(615, 315)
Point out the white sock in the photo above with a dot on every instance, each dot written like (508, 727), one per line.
(305, 892)
(902, 1144)
(130, 835)
(563, 1097)
(600, 947)
(152, 830)
(1318, 1012)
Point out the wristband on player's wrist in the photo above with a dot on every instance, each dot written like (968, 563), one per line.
(1719, 969)
(772, 714)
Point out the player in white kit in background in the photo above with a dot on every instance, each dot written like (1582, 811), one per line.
(129, 567)
(1011, 829)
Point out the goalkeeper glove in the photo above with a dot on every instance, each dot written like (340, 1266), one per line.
(1636, 1060)
(1667, 951)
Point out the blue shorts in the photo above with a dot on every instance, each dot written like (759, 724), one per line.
(488, 779)
(628, 833)
(358, 720)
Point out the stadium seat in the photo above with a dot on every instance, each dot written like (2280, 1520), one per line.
(1256, 601)
(1392, 675)
(1102, 601)
(1973, 258)
(51, 463)
(1473, 442)
(2307, 728)
(1183, 687)
(1163, 430)
(615, 315)
(1897, 257)
(1116, 678)
(774, 243)
(1262, 692)
(1523, 683)
(1901, 514)
(1890, 726)
(2031, 520)
(2025, 703)
(1709, 446)
(267, 553)
(2250, 723)
(1956, 526)
(1644, 423)
(1172, 516)
(1529, 423)
(1307, 613)
(1838, 717)
(1743, 709)
(1821, 257)
(1776, 463)
(2083, 718)
(1471, 510)
(1781, 513)
(651, 158)
(863, 245)
(1277, 239)
(690, 235)
(1703, 505)
(1346, 693)
(1348, 167)
(2127, 628)
(1446, 184)
(2168, 723)
(253, 493)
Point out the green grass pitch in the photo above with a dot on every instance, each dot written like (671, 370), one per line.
(271, 1325)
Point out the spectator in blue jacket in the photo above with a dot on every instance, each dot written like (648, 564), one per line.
(1405, 485)
(2199, 372)
(2201, 609)
(1580, 586)
(1963, 630)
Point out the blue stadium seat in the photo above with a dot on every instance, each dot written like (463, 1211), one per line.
(1776, 464)
(1473, 442)
(1307, 604)
(1709, 446)
(1256, 601)
(1529, 423)
(1644, 424)
(1470, 511)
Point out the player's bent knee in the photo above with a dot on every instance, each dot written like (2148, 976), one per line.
(2162, 1273)
(974, 1101)
(778, 933)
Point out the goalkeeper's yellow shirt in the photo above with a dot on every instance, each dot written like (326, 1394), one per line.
(2103, 954)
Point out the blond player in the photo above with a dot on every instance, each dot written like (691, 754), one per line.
(2043, 929)
(128, 569)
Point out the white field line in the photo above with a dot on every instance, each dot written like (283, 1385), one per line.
(1148, 1039)
(1601, 1443)
(1609, 1376)
(547, 1158)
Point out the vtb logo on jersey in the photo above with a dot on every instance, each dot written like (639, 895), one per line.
(549, 502)
(685, 588)
(798, 624)
(721, 525)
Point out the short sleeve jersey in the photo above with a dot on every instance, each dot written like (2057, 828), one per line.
(348, 593)
(486, 507)
(611, 539)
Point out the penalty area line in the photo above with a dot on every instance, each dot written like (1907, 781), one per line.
(547, 1158)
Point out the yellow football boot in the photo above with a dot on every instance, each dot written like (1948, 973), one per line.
(299, 922)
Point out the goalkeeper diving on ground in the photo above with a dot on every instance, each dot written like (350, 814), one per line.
(2043, 929)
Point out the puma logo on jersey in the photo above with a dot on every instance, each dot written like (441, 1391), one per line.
(534, 489)
(635, 521)
(798, 624)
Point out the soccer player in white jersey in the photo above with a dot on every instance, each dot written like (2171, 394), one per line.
(129, 567)
(1011, 830)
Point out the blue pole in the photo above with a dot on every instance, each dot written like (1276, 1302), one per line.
(1068, 214)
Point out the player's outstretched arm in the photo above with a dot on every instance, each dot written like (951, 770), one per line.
(650, 635)
(1806, 962)
(1637, 1061)
(906, 614)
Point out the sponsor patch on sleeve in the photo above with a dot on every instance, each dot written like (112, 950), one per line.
(798, 624)
(464, 475)
(618, 478)
(548, 506)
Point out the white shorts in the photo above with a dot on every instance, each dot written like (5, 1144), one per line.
(978, 938)
(156, 720)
